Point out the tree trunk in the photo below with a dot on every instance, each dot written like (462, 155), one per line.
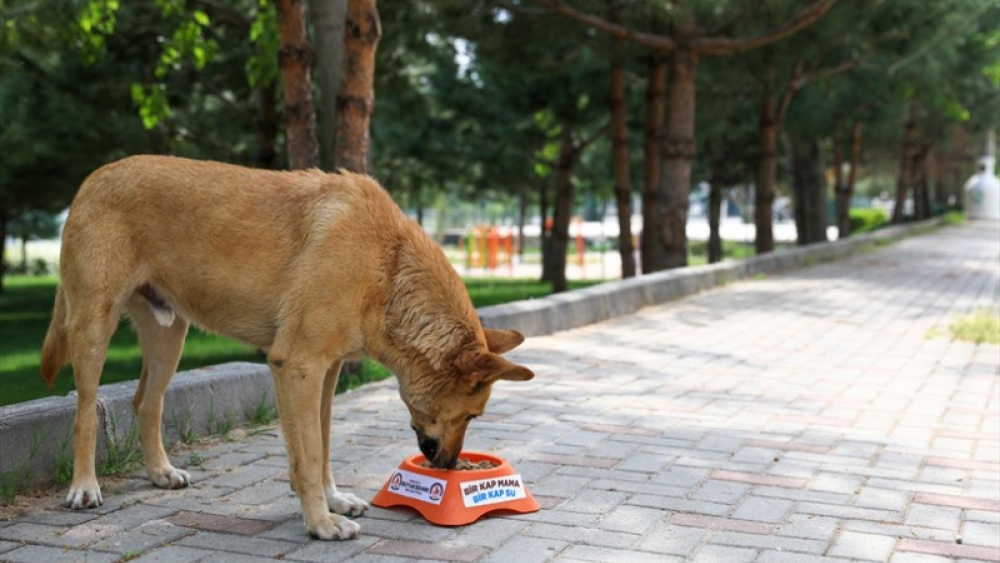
(655, 106)
(764, 199)
(3, 248)
(942, 161)
(808, 188)
(267, 127)
(563, 210)
(921, 188)
(619, 141)
(667, 236)
(356, 99)
(328, 36)
(295, 58)
(906, 169)
(714, 218)
(846, 194)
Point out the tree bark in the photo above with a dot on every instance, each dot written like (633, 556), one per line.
(328, 17)
(563, 208)
(921, 189)
(764, 198)
(655, 109)
(356, 99)
(619, 143)
(267, 127)
(667, 239)
(714, 218)
(295, 58)
(844, 189)
(808, 188)
(906, 169)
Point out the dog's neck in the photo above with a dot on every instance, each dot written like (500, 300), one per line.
(429, 318)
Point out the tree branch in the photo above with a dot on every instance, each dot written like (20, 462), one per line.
(653, 41)
(226, 13)
(582, 144)
(716, 46)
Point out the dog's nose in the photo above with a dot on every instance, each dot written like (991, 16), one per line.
(429, 447)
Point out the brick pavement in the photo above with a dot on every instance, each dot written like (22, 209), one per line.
(801, 418)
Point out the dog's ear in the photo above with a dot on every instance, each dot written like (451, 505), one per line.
(487, 367)
(501, 340)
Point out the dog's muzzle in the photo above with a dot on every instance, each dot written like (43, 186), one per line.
(431, 448)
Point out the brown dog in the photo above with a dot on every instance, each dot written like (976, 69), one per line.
(312, 268)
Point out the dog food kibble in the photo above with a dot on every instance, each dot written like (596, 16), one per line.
(466, 465)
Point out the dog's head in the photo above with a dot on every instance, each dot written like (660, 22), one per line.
(441, 412)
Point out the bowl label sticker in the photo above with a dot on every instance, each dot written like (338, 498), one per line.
(415, 485)
(492, 491)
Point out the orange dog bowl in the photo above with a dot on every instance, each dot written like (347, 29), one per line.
(456, 497)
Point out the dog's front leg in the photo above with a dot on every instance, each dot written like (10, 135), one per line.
(340, 503)
(299, 388)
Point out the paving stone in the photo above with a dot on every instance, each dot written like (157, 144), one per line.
(672, 539)
(869, 547)
(608, 555)
(928, 516)
(595, 501)
(488, 532)
(763, 509)
(250, 545)
(216, 523)
(172, 554)
(144, 537)
(39, 553)
(526, 550)
(585, 536)
(323, 551)
(427, 550)
(6, 546)
(723, 554)
(631, 519)
(768, 542)
(979, 533)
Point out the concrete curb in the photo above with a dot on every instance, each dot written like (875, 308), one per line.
(36, 436)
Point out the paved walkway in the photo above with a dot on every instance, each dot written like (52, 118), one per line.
(800, 418)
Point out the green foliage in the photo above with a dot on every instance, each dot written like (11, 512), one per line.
(865, 220)
(96, 21)
(34, 225)
(262, 65)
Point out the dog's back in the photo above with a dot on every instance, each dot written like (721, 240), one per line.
(222, 244)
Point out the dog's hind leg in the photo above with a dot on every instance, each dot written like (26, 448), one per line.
(339, 503)
(93, 319)
(161, 351)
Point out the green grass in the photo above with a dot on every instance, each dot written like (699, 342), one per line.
(731, 250)
(26, 304)
(981, 326)
(493, 291)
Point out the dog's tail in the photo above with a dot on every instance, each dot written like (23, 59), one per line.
(55, 350)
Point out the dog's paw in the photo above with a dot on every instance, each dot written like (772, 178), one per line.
(169, 477)
(85, 496)
(345, 503)
(333, 527)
